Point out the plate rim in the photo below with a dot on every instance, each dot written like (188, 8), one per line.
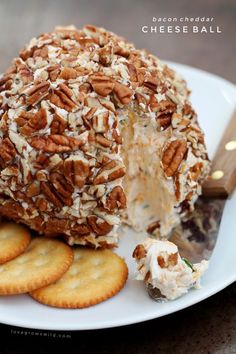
(19, 322)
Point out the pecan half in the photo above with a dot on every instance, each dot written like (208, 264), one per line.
(132, 72)
(110, 172)
(121, 51)
(33, 189)
(56, 143)
(99, 226)
(102, 84)
(173, 155)
(50, 194)
(7, 152)
(11, 210)
(123, 93)
(154, 105)
(116, 199)
(53, 72)
(63, 188)
(165, 112)
(117, 137)
(139, 252)
(25, 73)
(41, 204)
(196, 170)
(6, 82)
(36, 122)
(101, 140)
(151, 82)
(106, 54)
(68, 73)
(81, 230)
(23, 118)
(62, 98)
(177, 186)
(164, 121)
(140, 99)
(167, 106)
(101, 122)
(88, 117)
(76, 171)
(58, 124)
(41, 52)
(56, 226)
(36, 93)
(58, 191)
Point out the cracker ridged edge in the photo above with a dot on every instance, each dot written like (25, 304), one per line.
(38, 296)
(18, 251)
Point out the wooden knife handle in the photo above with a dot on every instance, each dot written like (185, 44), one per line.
(222, 180)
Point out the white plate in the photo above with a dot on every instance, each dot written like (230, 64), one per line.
(214, 99)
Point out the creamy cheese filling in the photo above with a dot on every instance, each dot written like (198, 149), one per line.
(164, 269)
(150, 196)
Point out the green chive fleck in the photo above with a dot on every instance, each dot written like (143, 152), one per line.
(146, 206)
(189, 264)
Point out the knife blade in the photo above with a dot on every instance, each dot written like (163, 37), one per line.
(196, 235)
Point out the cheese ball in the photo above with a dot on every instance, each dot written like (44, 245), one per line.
(95, 133)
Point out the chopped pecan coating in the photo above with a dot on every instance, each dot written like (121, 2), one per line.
(64, 190)
(110, 172)
(151, 82)
(37, 93)
(50, 194)
(62, 98)
(63, 102)
(56, 143)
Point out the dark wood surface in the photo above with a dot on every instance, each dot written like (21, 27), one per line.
(208, 327)
(225, 161)
(20, 20)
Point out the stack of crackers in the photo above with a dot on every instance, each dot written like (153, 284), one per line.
(54, 273)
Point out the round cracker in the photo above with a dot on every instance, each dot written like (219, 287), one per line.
(14, 239)
(94, 276)
(42, 263)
